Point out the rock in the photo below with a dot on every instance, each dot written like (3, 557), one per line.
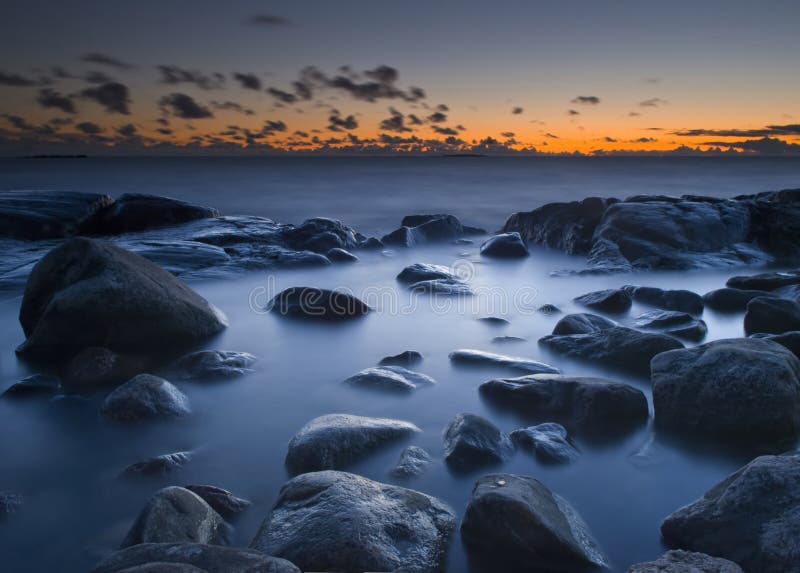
(176, 515)
(610, 300)
(136, 212)
(336, 521)
(505, 246)
(372, 243)
(771, 315)
(164, 568)
(548, 441)
(505, 339)
(214, 364)
(447, 287)
(514, 522)
(95, 366)
(731, 299)
(340, 255)
(494, 320)
(618, 347)
(413, 462)
(34, 385)
(405, 358)
(471, 441)
(181, 257)
(480, 358)
(145, 396)
(731, 390)
(582, 323)
(221, 500)
(549, 309)
(80, 292)
(418, 229)
(159, 465)
(686, 562)
(319, 235)
(208, 558)
(792, 292)
(333, 440)
(425, 272)
(402, 237)
(9, 503)
(751, 517)
(789, 340)
(316, 303)
(765, 281)
(36, 215)
(257, 256)
(391, 378)
(775, 225)
(580, 402)
(678, 300)
(674, 323)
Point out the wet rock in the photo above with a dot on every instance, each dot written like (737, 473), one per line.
(389, 378)
(686, 562)
(765, 281)
(318, 304)
(472, 441)
(548, 441)
(494, 320)
(136, 212)
(582, 323)
(35, 215)
(158, 465)
(180, 257)
(549, 309)
(674, 323)
(208, 558)
(214, 364)
(333, 440)
(336, 521)
(9, 503)
(144, 397)
(405, 358)
(610, 300)
(505, 246)
(731, 390)
(771, 316)
(731, 299)
(413, 462)
(418, 229)
(580, 402)
(221, 500)
(789, 340)
(506, 339)
(95, 367)
(319, 235)
(340, 255)
(480, 358)
(447, 287)
(248, 256)
(678, 300)
(751, 517)
(424, 272)
(34, 385)
(515, 523)
(371, 243)
(80, 292)
(176, 515)
(618, 347)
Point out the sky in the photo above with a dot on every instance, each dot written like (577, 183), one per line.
(443, 76)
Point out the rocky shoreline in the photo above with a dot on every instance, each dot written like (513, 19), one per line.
(105, 310)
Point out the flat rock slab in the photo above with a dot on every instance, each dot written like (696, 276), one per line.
(34, 385)
(389, 378)
(447, 287)
(731, 299)
(675, 323)
(765, 281)
(425, 272)
(405, 359)
(158, 465)
(471, 357)
(221, 500)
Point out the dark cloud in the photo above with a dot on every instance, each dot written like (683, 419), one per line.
(271, 127)
(442, 107)
(396, 122)
(232, 106)
(19, 122)
(378, 83)
(790, 129)
(633, 114)
(338, 123)
(444, 130)
(413, 119)
(763, 146)
(52, 99)
(127, 130)
(176, 75)
(282, 96)
(248, 81)
(507, 134)
(89, 128)
(16, 80)
(98, 78)
(643, 140)
(106, 60)
(653, 102)
(184, 106)
(164, 131)
(551, 135)
(516, 110)
(610, 139)
(302, 90)
(437, 117)
(573, 112)
(460, 127)
(586, 100)
(114, 97)
(268, 20)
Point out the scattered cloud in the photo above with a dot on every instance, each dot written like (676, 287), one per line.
(184, 106)
(585, 100)
(573, 112)
(395, 122)
(16, 80)
(444, 130)
(114, 97)
(437, 117)
(282, 96)
(52, 99)
(232, 106)
(338, 123)
(127, 130)
(248, 81)
(106, 60)
(507, 134)
(177, 75)
(89, 128)
(268, 20)
(763, 146)
(653, 102)
(790, 129)
(609, 139)
(516, 110)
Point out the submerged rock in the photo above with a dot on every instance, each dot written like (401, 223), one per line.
(506, 339)
(9, 503)
(789, 340)
(316, 303)
(448, 287)
(405, 358)
(341, 256)
(95, 367)
(158, 465)
(336, 521)
(674, 323)
(36, 215)
(582, 323)
(34, 385)
(471, 441)
(549, 309)
(425, 272)
(468, 356)
(221, 500)
(333, 440)
(420, 229)
(212, 364)
(731, 299)
(515, 523)
(678, 300)
(548, 441)
(751, 517)
(678, 561)
(771, 315)
(413, 462)
(609, 300)
(505, 246)
(143, 397)
(392, 378)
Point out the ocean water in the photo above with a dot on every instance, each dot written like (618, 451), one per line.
(65, 459)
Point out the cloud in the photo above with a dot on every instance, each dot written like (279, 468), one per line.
(89, 128)
(232, 106)
(19, 122)
(437, 117)
(95, 77)
(413, 119)
(248, 81)
(789, 129)
(444, 130)
(396, 122)
(127, 130)
(551, 135)
(282, 96)
(507, 134)
(643, 140)
(653, 102)
(177, 75)
(268, 20)
(16, 80)
(106, 60)
(379, 83)
(442, 107)
(586, 100)
(270, 127)
(634, 114)
(113, 96)
(763, 146)
(573, 112)
(338, 123)
(52, 99)
(609, 139)
(302, 90)
(184, 106)
(516, 110)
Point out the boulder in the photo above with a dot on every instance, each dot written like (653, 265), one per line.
(731, 299)
(36, 215)
(333, 440)
(515, 523)
(9, 503)
(469, 357)
(144, 397)
(678, 300)
(318, 304)
(505, 246)
(771, 315)
(678, 561)
(751, 517)
(137, 211)
(181, 257)
(789, 340)
(158, 465)
(417, 229)
(405, 358)
(34, 385)
(176, 515)
(472, 441)
(80, 292)
(765, 281)
(609, 300)
(582, 323)
(340, 255)
(413, 462)
(548, 441)
(732, 390)
(424, 272)
(221, 500)
(335, 521)
(391, 378)
(318, 235)
(94, 367)
(674, 323)
(214, 364)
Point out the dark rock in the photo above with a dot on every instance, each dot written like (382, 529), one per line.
(610, 300)
(416, 229)
(340, 255)
(176, 515)
(80, 292)
(316, 303)
(256, 256)
(582, 323)
(789, 340)
(335, 521)
(549, 309)
(771, 315)
(9, 503)
(180, 257)
(413, 462)
(333, 440)
(494, 320)
(618, 347)
(732, 390)
(765, 281)
(95, 367)
(731, 299)
(678, 300)
(424, 272)
(159, 465)
(678, 561)
(505, 246)
(580, 402)
(389, 378)
(480, 358)
(775, 225)
(319, 235)
(221, 500)
(504, 339)
(143, 397)
(371, 243)
(472, 441)
(751, 517)
(208, 558)
(136, 212)
(405, 358)
(402, 237)
(515, 523)
(447, 287)
(164, 568)
(35, 215)
(34, 385)
(548, 441)
(214, 364)
(674, 323)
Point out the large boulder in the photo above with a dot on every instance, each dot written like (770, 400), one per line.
(471, 441)
(317, 304)
(735, 390)
(678, 561)
(582, 323)
(469, 357)
(752, 517)
(319, 235)
(144, 397)
(89, 293)
(731, 299)
(35, 215)
(330, 441)
(389, 378)
(336, 521)
(609, 300)
(515, 523)
(505, 246)
(771, 315)
(137, 211)
(678, 300)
